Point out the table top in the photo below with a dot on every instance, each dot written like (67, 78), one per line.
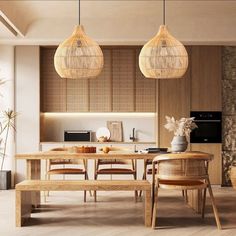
(99, 155)
(111, 155)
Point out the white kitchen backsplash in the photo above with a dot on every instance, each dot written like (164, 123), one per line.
(56, 123)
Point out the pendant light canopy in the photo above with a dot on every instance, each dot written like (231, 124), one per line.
(78, 57)
(163, 57)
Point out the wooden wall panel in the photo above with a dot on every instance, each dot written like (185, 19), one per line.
(77, 95)
(123, 80)
(174, 100)
(206, 78)
(215, 166)
(100, 88)
(52, 87)
(145, 92)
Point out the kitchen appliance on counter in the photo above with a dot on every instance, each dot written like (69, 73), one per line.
(78, 135)
(209, 127)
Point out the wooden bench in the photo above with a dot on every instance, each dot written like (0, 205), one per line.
(25, 189)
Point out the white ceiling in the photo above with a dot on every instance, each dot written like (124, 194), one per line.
(48, 22)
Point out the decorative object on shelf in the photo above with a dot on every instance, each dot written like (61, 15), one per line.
(82, 149)
(116, 131)
(163, 57)
(78, 57)
(103, 134)
(105, 149)
(116, 149)
(182, 129)
(6, 124)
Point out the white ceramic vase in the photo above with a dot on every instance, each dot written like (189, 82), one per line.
(179, 144)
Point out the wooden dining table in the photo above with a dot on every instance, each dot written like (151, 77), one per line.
(33, 165)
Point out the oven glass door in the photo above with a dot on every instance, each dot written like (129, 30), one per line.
(207, 132)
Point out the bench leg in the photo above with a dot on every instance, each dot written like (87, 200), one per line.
(23, 207)
(148, 208)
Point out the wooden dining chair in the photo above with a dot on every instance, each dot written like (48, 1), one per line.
(115, 167)
(65, 167)
(183, 171)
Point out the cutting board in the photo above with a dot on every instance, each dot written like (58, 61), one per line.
(115, 128)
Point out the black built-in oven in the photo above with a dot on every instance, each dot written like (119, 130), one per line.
(209, 127)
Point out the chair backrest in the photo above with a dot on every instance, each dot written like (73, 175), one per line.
(117, 150)
(183, 166)
(115, 162)
(64, 161)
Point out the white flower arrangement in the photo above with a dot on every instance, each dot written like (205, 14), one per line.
(182, 127)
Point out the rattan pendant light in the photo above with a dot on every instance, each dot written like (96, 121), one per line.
(78, 57)
(163, 57)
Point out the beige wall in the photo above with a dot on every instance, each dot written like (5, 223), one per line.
(27, 102)
(7, 99)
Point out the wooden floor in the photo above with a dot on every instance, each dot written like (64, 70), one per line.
(115, 213)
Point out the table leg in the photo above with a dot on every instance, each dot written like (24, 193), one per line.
(148, 208)
(34, 172)
(23, 207)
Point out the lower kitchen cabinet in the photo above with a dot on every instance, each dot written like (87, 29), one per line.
(215, 165)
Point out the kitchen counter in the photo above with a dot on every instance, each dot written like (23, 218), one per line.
(86, 143)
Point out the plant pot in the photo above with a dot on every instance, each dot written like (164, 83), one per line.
(179, 144)
(5, 179)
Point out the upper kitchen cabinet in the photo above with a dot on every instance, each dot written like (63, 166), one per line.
(53, 88)
(120, 87)
(100, 88)
(206, 78)
(145, 92)
(123, 79)
(77, 95)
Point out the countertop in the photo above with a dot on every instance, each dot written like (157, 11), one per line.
(86, 143)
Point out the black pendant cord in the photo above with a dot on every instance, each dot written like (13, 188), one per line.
(79, 12)
(164, 12)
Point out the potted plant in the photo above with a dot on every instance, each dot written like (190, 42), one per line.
(182, 129)
(6, 124)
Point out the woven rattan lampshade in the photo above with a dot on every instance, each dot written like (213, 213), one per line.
(163, 57)
(78, 57)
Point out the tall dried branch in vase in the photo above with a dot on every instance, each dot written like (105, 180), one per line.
(7, 122)
(182, 127)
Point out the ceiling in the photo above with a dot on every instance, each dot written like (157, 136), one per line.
(112, 22)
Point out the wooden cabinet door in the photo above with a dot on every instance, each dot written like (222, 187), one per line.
(145, 90)
(100, 88)
(52, 87)
(123, 79)
(77, 95)
(173, 100)
(206, 78)
(215, 172)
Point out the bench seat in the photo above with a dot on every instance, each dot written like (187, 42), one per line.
(26, 188)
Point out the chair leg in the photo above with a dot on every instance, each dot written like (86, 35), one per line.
(85, 196)
(154, 210)
(135, 192)
(85, 177)
(140, 193)
(186, 196)
(213, 204)
(203, 203)
(49, 177)
(95, 192)
(90, 192)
